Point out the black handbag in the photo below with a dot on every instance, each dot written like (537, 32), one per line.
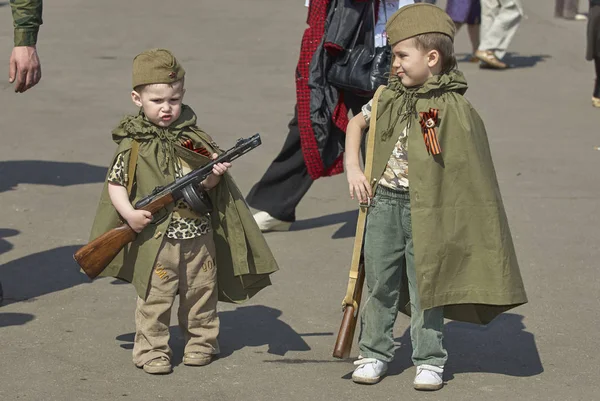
(362, 68)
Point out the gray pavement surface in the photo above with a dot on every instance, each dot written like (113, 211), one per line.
(65, 338)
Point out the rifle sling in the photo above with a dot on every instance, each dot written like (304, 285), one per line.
(133, 156)
(362, 212)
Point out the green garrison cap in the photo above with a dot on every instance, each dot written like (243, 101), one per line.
(417, 19)
(156, 66)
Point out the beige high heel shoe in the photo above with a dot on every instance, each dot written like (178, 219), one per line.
(489, 60)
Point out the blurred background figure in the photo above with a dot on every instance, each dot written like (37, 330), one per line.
(593, 46)
(467, 12)
(500, 21)
(568, 9)
(299, 163)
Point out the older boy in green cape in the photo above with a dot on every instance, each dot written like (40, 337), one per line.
(198, 256)
(441, 246)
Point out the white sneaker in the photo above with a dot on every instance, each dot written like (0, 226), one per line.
(266, 222)
(369, 370)
(429, 377)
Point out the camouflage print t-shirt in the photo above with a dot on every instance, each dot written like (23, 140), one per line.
(185, 223)
(395, 175)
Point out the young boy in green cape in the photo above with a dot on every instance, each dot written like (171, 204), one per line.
(443, 247)
(205, 257)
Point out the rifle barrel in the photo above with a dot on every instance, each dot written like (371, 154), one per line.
(196, 176)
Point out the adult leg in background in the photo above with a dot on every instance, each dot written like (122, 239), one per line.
(286, 180)
(500, 20)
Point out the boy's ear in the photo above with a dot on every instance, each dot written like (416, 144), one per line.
(433, 58)
(136, 98)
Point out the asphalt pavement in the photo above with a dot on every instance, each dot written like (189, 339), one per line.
(63, 337)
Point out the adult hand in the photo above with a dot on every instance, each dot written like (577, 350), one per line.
(24, 68)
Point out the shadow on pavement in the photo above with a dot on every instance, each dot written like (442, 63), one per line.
(518, 61)
(258, 325)
(513, 59)
(16, 172)
(249, 326)
(6, 246)
(41, 273)
(502, 347)
(347, 230)
(15, 319)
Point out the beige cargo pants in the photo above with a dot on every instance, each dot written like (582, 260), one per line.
(188, 267)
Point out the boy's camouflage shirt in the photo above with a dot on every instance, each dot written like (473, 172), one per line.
(27, 18)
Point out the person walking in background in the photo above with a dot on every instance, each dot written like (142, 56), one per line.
(568, 9)
(593, 46)
(303, 157)
(500, 20)
(467, 12)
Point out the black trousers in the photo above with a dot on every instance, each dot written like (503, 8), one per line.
(596, 93)
(286, 180)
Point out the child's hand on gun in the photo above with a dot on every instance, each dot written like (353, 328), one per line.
(218, 170)
(358, 184)
(138, 219)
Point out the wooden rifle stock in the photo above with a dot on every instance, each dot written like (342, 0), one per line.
(95, 256)
(343, 344)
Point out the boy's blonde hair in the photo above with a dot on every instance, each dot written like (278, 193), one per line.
(140, 88)
(440, 42)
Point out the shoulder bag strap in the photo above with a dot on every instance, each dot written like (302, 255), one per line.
(135, 146)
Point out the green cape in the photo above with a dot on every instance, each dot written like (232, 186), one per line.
(464, 254)
(244, 260)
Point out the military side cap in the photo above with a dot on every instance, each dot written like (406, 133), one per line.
(417, 19)
(156, 66)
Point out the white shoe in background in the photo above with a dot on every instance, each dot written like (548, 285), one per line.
(266, 222)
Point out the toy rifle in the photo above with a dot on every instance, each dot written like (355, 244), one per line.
(351, 302)
(96, 255)
(343, 344)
